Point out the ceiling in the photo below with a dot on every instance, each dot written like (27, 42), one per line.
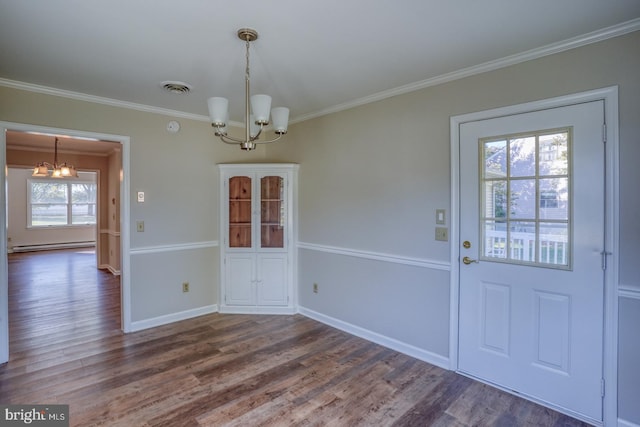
(31, 141)
(314, 57)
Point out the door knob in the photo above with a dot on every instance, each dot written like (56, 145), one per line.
(468, 260)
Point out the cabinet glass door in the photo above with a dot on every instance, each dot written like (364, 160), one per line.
(240, 212)
(272, 212)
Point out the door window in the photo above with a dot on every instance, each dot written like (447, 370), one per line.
(525, 198)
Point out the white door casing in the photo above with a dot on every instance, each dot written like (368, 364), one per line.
(538, 330)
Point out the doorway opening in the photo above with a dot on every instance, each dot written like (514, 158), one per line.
(105, 253)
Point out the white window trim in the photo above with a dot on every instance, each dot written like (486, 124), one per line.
(68, 203)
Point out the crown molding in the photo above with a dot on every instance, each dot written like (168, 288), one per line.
(572, 43)
(99, 99)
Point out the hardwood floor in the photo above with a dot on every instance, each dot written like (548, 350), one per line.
(220, 369)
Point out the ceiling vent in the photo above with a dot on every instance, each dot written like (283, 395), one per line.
(176, 87)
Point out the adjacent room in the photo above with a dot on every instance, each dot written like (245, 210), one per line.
(428, 219)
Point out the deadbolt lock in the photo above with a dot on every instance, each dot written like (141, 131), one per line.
(466, 244)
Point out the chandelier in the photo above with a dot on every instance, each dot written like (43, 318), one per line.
(63, 170)
(256, 109)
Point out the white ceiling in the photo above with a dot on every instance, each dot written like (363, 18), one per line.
(312, 56)
(66, 144)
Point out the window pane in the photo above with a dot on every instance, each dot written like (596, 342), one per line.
(83, 213)
(83, 193)
(240, 212)
(522, 241)
(42, 215)
(523, 198)
(522, 156)
(554, 243)
(553, 154)
(525, 202)
(495, 239)
(495, 159)
(554, 201)
(271, 212)
(495, 204)
(48, 192)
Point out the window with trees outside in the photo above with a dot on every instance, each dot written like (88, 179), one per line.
(525, 198)
(57, 202)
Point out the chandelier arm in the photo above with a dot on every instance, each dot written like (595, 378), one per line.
(230, 140)
(254, 138)
(270, 140)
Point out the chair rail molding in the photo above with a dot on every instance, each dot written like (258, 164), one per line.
(377, 256)
(174, 247)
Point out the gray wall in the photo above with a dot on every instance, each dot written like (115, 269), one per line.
(629, 356)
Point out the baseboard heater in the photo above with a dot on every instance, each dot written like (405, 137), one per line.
(51, 246)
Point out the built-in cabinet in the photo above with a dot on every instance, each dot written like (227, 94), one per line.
(258, 225)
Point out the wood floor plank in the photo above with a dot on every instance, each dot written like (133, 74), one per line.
(66, 347)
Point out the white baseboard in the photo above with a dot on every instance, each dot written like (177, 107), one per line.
(173, 317)
(110, 268)
(51, 246)
(625, 423)
(418, 353)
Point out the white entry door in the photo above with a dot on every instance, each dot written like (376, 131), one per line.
(531, 243)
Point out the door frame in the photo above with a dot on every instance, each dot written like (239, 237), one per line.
(610, 328)
(125, 294)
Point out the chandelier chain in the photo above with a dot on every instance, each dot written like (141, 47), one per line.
(246, 71)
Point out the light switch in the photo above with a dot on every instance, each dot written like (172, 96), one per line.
(441, 216)
(140, 196)
(140, 226)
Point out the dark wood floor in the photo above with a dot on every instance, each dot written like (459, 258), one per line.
(220, 369)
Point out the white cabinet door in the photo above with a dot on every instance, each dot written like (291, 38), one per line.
(271, 225)
(272, 280)
(240, 279)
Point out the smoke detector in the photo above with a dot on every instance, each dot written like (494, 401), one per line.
(176, 87)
